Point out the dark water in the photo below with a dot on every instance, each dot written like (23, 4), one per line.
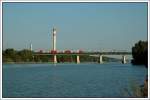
(70, 80)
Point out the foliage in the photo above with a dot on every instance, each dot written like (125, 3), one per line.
(140, 53)
(11, 55)
(26, 55)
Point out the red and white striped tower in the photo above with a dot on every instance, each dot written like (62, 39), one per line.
(54, 38)
(54, 43)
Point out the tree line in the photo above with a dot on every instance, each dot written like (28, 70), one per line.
(11, 55)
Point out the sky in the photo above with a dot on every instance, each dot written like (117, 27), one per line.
(84, 26)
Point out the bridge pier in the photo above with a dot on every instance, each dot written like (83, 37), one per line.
(100, 59)
(124, 59)
(55, 59)
(78, 59)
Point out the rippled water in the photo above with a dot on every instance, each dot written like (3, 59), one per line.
(70, 80)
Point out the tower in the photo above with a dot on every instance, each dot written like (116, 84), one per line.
(54, 38)
(30, 46)
(54, 43)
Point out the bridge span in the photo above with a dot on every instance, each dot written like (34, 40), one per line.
(78, 54)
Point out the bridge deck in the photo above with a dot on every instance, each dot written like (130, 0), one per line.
(91, 53)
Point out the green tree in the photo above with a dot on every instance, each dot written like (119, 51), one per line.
(26, 55)
(9, 55)
(140, 53)
(37, 58)
(44, 58)
(18, 58)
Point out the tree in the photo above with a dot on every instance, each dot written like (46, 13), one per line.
(26, 55)
(9, 55)
(140, 53)
(44, 58)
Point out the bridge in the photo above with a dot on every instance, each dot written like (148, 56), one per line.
(78, 54)
(55, 53)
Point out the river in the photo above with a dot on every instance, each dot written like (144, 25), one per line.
(111, 80)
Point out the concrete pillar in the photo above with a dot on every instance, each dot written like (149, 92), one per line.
(124, 59)
(78, 59)
(100, 59)
(55, 59)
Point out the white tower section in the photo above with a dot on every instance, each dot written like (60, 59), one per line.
(54, 38)
(31, 47)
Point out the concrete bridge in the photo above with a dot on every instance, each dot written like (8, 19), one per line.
(54, 52)
(99, 54)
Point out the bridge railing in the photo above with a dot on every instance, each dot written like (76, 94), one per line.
(84, 53)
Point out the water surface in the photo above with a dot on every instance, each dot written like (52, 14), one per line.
(70, 80)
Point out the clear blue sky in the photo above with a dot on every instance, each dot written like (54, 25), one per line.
(86, 26)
